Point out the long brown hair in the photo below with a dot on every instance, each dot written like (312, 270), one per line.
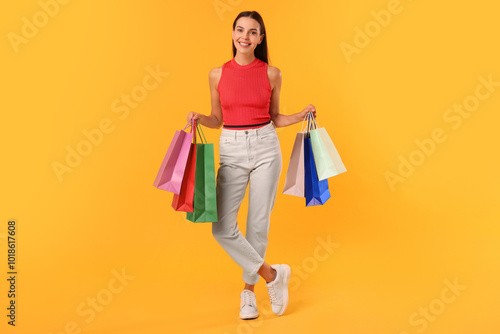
(261, 49)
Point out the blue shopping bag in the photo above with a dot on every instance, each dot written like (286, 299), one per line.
(317, 192)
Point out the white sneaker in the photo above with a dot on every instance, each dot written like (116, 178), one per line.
(248, 305)
(278, 289)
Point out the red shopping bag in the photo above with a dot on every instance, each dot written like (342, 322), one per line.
(184, 200)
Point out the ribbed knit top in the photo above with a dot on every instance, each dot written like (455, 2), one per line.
(245, 93)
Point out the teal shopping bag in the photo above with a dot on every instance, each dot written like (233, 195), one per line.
(326, 156)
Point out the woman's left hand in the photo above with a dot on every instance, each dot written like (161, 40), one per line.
(309, 108)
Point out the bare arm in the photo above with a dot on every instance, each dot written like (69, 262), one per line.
(214, 120)
(278, 119)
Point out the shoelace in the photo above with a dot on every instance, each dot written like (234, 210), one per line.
(272, 293)
(247, 298)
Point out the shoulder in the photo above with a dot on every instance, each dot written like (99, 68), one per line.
(214, 75)
(274, 76)
(273, 73)
(215, 72)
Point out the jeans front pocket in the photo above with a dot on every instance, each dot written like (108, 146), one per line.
(230, 149)
(269, 137)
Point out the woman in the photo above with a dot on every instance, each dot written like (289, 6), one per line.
(245, 94)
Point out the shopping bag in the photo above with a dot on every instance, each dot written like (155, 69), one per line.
(169, 177)
(184, 200)
(205, 202)
(326, 156)
(316, 191)
(294, 182)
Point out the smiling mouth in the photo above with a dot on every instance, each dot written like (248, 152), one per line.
(243, 44)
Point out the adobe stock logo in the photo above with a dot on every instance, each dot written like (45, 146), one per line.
(222, 6)
(454, 116)
(97, 303)
(121, 106)
(420, 319)
(324, 249)
(31, 27)
(373, 28)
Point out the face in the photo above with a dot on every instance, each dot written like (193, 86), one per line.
(246, 35)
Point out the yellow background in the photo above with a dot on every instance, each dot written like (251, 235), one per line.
(396, 249)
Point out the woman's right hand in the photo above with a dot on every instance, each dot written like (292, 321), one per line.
(210, 121)
(193, 115)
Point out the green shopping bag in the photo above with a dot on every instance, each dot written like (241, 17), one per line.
(326, 156)
(205, 200)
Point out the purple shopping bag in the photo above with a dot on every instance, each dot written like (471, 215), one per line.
(171, 173)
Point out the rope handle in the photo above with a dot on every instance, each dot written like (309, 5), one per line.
(200, 132)
(196, 129)
(314, 123)
(311, 123)
(314, 120)
(189, 124)
(302, 126)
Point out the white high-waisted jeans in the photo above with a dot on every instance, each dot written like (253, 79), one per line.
(251, 156)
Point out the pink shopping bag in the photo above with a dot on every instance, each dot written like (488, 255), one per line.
(185, 199)
(171, 173)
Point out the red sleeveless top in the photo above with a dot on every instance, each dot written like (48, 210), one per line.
(245, 94)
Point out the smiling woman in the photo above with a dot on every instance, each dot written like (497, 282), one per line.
(245, 95)
(243, 40)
